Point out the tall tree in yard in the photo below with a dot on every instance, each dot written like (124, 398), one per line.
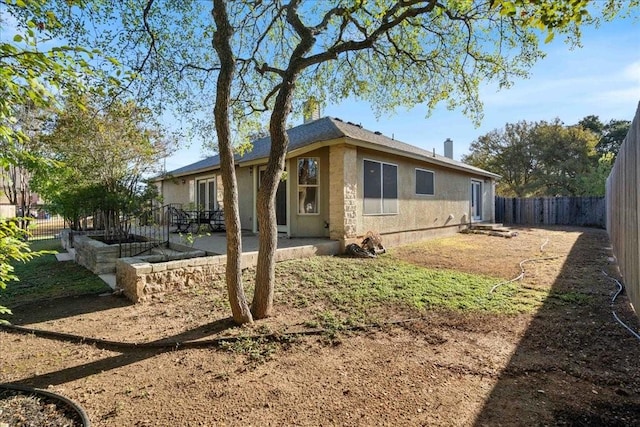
(222, 44)
(99, 156)
(511, 153)
(389, 53)
(541, 159)
(271, 56)
(33, 76)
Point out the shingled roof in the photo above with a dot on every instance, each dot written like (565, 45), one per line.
(326, 129)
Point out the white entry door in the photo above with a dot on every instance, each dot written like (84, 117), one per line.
(476, 200)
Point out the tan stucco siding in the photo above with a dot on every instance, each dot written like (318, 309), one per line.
(177, 190)
(488, 200)
(449, 206)
(310, 225)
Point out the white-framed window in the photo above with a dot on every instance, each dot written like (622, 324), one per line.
(380, 188)
(425, 182)
(308, 185)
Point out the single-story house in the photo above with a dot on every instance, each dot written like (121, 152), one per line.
(342, 181)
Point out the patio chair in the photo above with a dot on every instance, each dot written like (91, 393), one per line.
(216, 220)
(180, 219)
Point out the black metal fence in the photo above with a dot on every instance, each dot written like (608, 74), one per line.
(580, 211)
(144, 232)
(45, 227)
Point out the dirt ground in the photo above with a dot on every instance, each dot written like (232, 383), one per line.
(570, 363)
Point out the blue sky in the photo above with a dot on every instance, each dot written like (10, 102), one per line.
(601, 78)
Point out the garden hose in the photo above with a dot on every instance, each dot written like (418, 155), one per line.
(613, 300)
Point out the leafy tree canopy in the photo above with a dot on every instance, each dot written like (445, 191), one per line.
(543, 159)
(99, 156)
(610, 135)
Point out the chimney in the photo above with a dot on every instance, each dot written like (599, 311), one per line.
(311, 110)
(448, 148)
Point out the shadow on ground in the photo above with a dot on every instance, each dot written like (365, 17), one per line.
(575, 364)
(129, 354)
(63, 307)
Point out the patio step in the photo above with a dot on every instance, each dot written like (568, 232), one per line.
(486, 226)
(489, 229)
(70, 255)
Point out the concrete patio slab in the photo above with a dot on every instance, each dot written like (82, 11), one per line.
(109, 279)
(67, 256)
(216, 243)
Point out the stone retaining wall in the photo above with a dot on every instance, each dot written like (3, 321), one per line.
(95, 255)
(140, 279)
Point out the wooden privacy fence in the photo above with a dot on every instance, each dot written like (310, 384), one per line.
(623, 215)
(582, 211)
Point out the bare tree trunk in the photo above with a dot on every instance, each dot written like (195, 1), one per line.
(221, 43)
(268, 238)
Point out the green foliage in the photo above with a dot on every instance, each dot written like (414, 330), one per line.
(610, 135)
(542, 159)
(99, 156)
(13, 247)
(594, 181)
(35, 73)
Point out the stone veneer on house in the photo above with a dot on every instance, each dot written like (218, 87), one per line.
(342, 193)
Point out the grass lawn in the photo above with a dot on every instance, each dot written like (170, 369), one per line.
(347, 290)
(44, 277)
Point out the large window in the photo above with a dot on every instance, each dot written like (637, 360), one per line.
(308, 186)
(424, 182)
(380, 188)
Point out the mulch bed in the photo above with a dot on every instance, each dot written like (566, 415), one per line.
(24, 409)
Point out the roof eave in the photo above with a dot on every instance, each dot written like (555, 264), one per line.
(415, 156)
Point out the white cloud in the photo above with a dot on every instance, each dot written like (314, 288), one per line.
(632, 72)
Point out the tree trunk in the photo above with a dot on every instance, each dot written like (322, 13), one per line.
(221, 43)
(268, 236)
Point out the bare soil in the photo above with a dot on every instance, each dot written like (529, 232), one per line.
(569, 363)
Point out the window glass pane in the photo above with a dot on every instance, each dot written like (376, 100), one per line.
(424, 182)
(389, 181)
(308, 171)
(390, 206)
(308, 200)
(202, 194)
(372, 187)
(212, 195)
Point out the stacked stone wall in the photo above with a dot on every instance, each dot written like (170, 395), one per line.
(343, 205)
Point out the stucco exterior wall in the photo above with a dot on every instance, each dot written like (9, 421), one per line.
(7, 211)
(448, 207)
(177, 190)
(488, 200)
